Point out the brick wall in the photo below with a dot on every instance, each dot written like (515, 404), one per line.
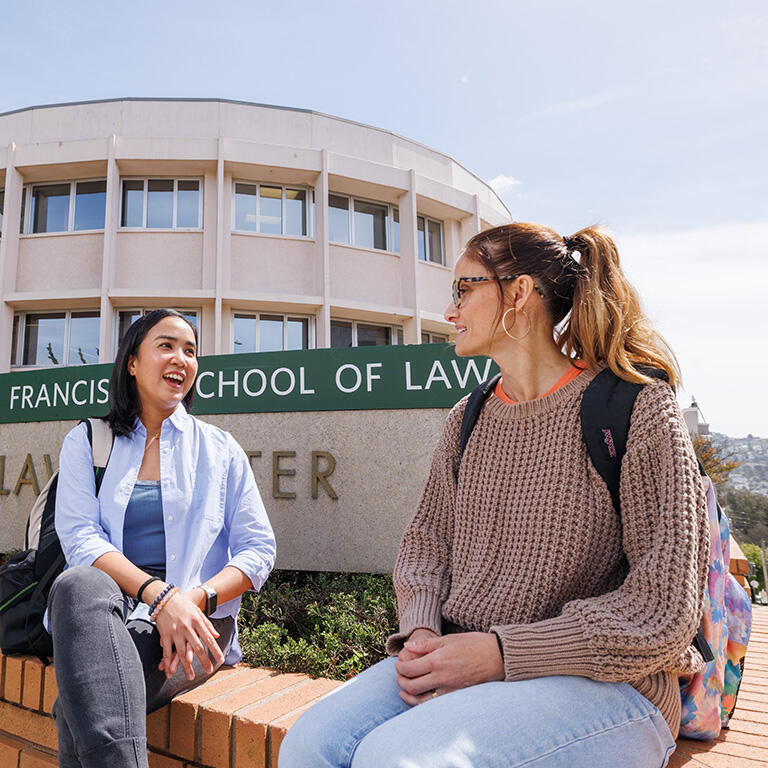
(236, 719)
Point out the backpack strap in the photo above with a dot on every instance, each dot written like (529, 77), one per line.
(101, 439)
(45, 541)
(51, 572)
(472, 410)
(606, 409)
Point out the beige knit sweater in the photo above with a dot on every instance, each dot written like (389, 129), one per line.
(527, 544)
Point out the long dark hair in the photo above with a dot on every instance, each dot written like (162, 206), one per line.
(599, 312)
(123, 396)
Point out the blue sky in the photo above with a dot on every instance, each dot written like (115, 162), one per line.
(650, 118)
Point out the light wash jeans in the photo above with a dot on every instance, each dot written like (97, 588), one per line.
(106, 671)
(557, 722)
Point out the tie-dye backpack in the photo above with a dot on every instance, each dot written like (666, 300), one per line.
(709, 697)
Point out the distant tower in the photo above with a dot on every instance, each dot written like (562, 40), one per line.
(694, 419)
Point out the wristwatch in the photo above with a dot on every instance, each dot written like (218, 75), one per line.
(211, 598)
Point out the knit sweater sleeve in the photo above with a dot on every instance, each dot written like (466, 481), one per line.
(422, 573)
(646, 625)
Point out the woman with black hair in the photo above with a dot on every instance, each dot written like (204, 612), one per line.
(157, 560)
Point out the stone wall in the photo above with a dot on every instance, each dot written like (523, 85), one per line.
(373, 462)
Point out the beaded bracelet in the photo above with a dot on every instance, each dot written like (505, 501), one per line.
(159, 598)
(153, 616)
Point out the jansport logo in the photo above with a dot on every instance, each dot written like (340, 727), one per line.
(608, 440)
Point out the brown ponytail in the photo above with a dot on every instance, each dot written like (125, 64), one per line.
(599, 313)
(607, 324)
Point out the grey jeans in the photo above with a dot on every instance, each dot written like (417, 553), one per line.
(106, 671)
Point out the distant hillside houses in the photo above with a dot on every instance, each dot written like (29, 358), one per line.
(752, 454)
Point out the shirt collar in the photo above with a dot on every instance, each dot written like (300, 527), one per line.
(179, 419)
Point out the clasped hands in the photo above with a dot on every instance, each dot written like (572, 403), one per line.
(186, 632)
(430, 664)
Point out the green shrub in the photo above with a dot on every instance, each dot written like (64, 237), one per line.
(8, 555)
(323, 624)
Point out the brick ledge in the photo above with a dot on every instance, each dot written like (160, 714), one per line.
(239, 717)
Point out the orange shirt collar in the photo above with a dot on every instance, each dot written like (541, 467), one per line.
(568, 376)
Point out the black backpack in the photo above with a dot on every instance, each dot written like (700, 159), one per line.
(606, 408)
(26, 578)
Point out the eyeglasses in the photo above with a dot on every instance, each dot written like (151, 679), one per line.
(457, 290)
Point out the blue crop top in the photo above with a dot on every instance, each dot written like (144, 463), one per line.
(143, 527)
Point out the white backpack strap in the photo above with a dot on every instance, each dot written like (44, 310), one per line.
(102, 442)
(32, 537)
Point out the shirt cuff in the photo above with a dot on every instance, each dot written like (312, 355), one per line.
(256, 572)
(89, 552)
(554, 646)
(422, 612)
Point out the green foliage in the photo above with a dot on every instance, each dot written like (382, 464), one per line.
(717, 466)
(8, 555)
(748, 513)
(323, 624)
(51, 356)
(752, 553)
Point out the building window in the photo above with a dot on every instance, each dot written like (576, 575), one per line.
(433, 338)
(127, 317)
(271, 210)
(55, 338)
(161, 204)
(364, 223)
(269, 333)
(2, 205)
(350, 333)
(430, 240)
(72, 206)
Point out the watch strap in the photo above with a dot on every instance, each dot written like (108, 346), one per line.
(211, 599)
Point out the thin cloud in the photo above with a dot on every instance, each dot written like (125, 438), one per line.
(502, 184)
(582, 104)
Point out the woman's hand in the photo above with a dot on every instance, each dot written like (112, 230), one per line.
(430, 665)
(417, 640)
(182, 624)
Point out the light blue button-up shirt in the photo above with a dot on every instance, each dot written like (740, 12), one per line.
(213, 512)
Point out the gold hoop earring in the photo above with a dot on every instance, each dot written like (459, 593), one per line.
(504, 319)
(504, 323)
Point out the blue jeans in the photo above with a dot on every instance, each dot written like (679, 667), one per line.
(106, 671)
(557, 722)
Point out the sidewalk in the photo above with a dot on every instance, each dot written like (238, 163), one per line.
(745, 743)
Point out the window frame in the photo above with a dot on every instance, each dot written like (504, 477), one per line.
(2, 209)
(19, 330)
(309, 218)
(197, 311)
(145, 204)
(286, 316)
(431, 337)
(427, 259)
(395, 331)
(27, 207)
(392, 208)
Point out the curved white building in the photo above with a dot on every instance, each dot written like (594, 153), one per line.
(274, 228)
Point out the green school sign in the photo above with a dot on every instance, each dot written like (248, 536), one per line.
(360, 378)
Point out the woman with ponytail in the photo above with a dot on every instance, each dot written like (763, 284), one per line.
(537, 626)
